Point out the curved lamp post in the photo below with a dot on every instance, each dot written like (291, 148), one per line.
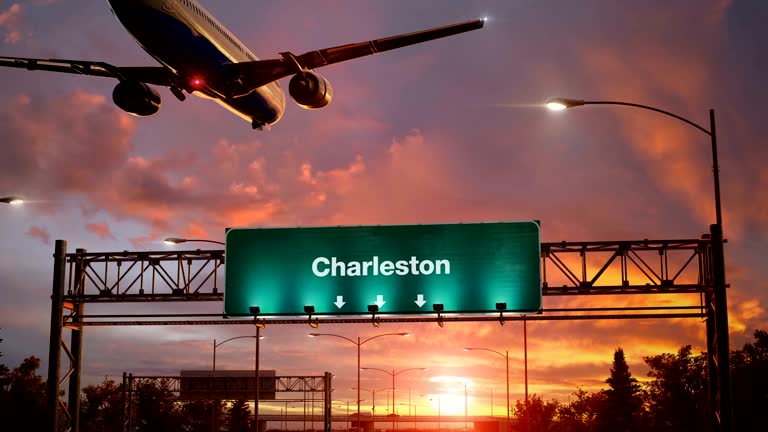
(349, 424)
(373, 396)
(359, 343)
(506, 357)
(12, 200)
(717, 305)
(258, 336)
(394, 374)
(175, 240)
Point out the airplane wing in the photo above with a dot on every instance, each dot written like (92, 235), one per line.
(157, 75)
(246, 76)
(252, 75)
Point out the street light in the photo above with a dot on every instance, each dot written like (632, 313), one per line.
(414, 415)
(170, 241)
(393, 374)
(506, 357)
(717, 306)
(439, 411)
(359, 344)
(349, 425)
(12, 200)
(373, 396)
(216, 345)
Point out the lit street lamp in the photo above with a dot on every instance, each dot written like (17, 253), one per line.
(717, 304)
(393, 374)
(359, 343)
(12, 200)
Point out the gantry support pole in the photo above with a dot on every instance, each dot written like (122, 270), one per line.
(327, 413)
(76, 348)
(718, 310)
(124, 413)
(54, 347)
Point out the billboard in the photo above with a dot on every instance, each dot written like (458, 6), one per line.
(226, 385)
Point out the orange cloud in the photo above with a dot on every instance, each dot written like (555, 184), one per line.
(675, 153)
(39, 233)
(9, 23)
(101, 230)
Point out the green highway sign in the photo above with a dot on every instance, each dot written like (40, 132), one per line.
(401, 269)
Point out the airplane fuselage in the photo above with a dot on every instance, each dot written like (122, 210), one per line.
(185, 38)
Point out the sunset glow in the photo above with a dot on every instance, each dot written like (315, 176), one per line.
(453, 131)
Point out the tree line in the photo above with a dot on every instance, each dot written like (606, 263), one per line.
(674, 398)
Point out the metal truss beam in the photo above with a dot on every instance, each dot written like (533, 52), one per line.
(146, 276)
(568, 268)
(643, 267)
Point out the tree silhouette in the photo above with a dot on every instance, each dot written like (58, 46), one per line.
(619, 411)
(3, 373)
(537, 414)
(678, 395)
(238, 417)
(581, 414)
(750, 384)
(156, 408)
(22, 399)
(101, 407)
(197, 415)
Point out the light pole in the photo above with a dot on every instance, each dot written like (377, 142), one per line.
(12, 200)
(717, 305)
(506, 357)
(439, 413)
(393, 374)
(170, 241)
(491, 401)
(257, 337)
(373, 396)
(347, 402)
(359, 344)
(286, 411)
(466, 406)
(413, 416)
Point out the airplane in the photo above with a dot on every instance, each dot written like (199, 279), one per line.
(199, 56)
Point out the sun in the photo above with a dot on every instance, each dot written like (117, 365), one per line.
(451, 396)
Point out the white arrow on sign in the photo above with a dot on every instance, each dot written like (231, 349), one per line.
(380, 301)
(339, 302)
(420, 300)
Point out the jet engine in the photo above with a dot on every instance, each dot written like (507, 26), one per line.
(310, 90)
(136, 98)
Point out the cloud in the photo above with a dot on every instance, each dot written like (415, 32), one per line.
(100, 229)
(671, 149)
(39, 233)
(9, 23)
(63, 145)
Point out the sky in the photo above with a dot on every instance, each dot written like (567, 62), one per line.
(449, 131)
